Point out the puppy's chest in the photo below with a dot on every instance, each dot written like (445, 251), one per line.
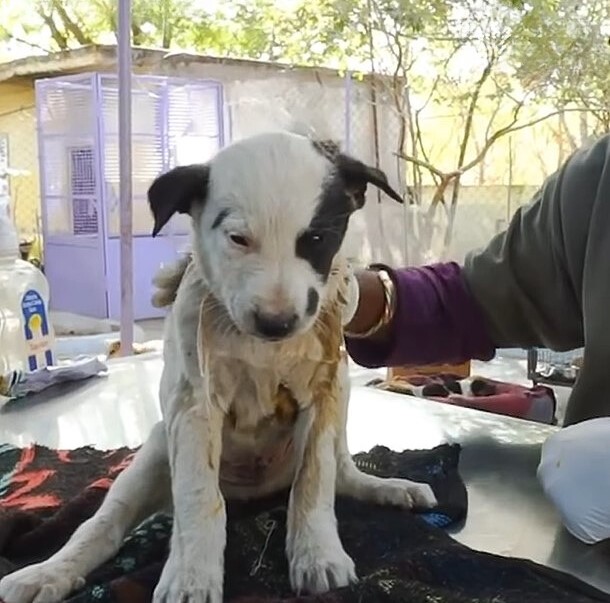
(261, 390)
(258, 434)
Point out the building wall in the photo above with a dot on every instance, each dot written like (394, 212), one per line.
(259, 98)
(18, 122)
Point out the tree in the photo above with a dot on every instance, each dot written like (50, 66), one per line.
(565, 53)
(455, 58)
(67, 24)
(307, 33)
(495, 67)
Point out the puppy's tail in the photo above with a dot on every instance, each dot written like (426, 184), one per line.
(167, 281)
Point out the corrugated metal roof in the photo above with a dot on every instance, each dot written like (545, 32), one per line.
(96, 57)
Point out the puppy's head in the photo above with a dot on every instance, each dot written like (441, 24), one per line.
(269, 216)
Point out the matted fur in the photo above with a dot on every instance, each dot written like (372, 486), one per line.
(167, 281)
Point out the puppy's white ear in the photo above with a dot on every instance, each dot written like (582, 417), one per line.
(358, 175)
(176, 191)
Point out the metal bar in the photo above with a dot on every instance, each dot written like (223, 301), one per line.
(220, 111)
(66, 78)
(101, 188)
(348, 111)
(40, 91)
(125, 174)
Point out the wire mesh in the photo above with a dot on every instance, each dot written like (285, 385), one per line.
(19, 181)
(445, 221)
(83, 179)
(177, 122)
(557, 368)
(68, 160)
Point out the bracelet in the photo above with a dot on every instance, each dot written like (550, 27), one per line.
(389, 308)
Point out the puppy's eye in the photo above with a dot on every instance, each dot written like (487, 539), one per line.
(239, 240)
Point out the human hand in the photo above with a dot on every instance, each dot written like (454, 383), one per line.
(367, 303)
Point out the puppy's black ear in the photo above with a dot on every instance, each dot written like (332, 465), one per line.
(358, 175)
(176, 191)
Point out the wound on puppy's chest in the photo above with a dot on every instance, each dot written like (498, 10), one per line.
(286, 407)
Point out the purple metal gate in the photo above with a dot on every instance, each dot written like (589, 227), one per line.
(175, 121)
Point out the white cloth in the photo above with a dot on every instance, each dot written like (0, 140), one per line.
(353, 297)
(574, 472)
(18, 384)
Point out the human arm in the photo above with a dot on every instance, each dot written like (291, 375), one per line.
(526, 288)
(436, 319)
(528, 280)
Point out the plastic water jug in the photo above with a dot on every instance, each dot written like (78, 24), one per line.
(26, 333)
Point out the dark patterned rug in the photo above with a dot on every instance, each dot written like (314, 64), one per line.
(400, 557)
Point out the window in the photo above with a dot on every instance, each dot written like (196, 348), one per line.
(82, 191)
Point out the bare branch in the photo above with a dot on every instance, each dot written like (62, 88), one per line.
(439, 194)
(486, 146)
(509, 130)
(438, 78)
(417, 114)
(58, 37)
(427, 166)
(70, 24)
(474, 99)
(422, 147)
(492, 118)
(29, 43)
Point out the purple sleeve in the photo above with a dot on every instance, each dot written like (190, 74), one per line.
(437, 320)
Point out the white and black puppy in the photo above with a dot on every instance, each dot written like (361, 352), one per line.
(254, 389)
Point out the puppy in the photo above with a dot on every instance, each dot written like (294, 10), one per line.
(254, 389)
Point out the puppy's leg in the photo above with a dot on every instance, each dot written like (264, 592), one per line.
(140, 490)
(361, 486)
(316, 556)
(193, 572)
(384, 491)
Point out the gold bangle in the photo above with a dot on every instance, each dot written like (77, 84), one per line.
(389, 306)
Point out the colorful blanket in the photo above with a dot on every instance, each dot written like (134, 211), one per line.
(45, 494)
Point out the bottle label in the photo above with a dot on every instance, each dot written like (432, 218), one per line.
(37, 336)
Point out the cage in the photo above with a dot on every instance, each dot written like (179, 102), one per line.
(553, 368)
(175, 121)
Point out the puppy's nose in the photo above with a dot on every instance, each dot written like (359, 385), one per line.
(274, 326)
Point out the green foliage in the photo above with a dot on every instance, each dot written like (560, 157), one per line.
(463, 53)
(554, 45)
(302, 32)
(565, 54)
(467, 54)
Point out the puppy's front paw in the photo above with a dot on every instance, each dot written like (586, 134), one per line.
(318, 564)
(189, 581)
(46, 582)
(404, 493)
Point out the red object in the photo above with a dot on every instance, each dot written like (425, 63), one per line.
(536, 403)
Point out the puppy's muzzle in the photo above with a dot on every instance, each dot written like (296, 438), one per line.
(274, 326)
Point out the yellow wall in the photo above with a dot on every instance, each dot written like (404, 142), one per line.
(18, 121)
